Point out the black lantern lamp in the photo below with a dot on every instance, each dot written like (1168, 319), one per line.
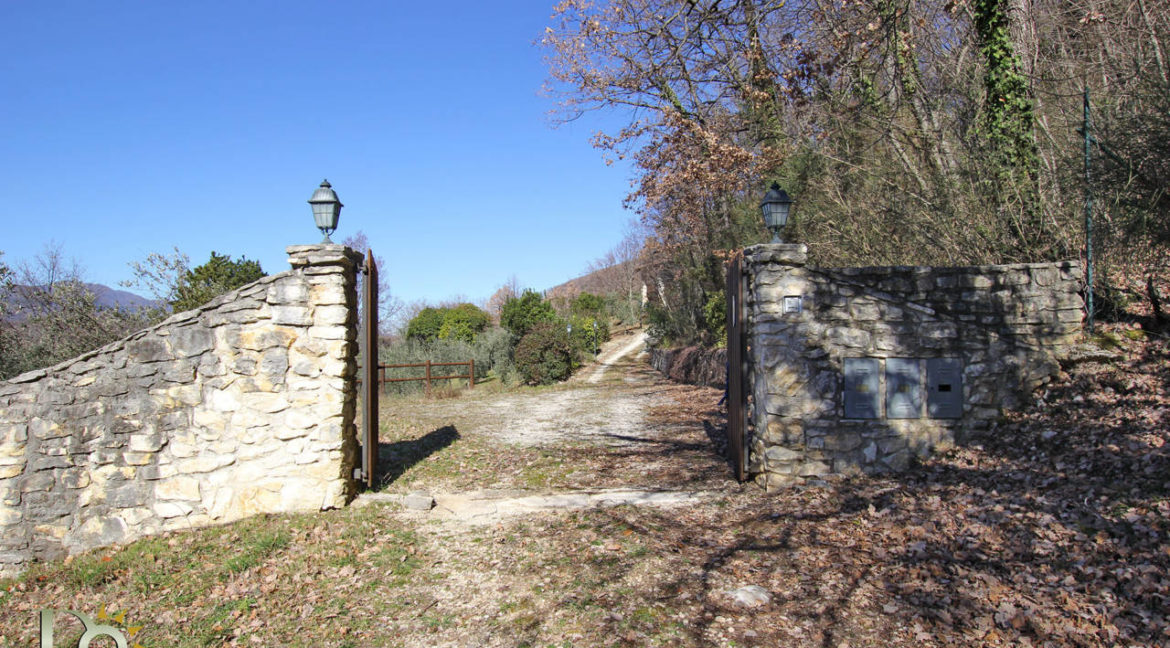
(775, 206)
(326, 209)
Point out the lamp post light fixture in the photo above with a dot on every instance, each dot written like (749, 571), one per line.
(326, 209)
(775, 206)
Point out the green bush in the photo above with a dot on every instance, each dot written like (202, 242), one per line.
(589, 332)
(425, 325)
(545, 355)
(493, 349)
(463, 322)
(588, 304)
(521, 314)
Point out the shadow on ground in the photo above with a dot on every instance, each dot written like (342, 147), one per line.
(396, 458)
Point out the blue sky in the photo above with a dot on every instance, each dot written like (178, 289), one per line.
(133, 127)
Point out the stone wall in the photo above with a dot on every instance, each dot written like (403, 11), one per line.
(240, 407)
(859, 369)
(693, 365)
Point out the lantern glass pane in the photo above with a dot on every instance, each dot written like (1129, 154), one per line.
(776, 214)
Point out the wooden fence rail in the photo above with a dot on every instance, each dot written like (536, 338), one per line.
(470, 375)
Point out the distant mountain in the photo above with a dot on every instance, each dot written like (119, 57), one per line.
(598, 282)
(109, 297)
(105, 297)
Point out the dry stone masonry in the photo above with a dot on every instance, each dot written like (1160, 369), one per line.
(859, 369)
(240, 407)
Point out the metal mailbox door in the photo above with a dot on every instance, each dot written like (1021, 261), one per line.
(861, 388)
(944, 387)
(903, 388)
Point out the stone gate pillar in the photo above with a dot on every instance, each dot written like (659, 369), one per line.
(777, 292)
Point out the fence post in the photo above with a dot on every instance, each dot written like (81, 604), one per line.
(471, 374)
(428, 376)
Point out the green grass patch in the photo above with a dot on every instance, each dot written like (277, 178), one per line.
(544, 471)
(1108, 341)
(216, 627)
(255, 549)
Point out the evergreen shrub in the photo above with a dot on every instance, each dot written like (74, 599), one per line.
(545, 355)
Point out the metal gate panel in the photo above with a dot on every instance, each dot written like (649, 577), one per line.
(369, 354)
(736, 354)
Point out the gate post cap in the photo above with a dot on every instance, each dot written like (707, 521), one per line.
(323, 254)
(793, 254)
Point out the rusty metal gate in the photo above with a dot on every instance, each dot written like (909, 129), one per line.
(736, 355)
(368, 341)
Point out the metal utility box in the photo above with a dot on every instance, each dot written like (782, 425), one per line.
(944, 387)
(861, 388)
(793, 304)
(903, 388)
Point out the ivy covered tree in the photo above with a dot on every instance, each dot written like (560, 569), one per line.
(1009, 123)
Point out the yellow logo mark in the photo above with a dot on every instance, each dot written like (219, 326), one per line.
(93, 630)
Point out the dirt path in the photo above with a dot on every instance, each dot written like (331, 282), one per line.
(608, 358)
(617, 433)
(582, 413)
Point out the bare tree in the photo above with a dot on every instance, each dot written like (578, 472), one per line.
(495, 304)
(617, 272)
(5, 283)
(389, 306)
(160, 274)
(51, 315)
